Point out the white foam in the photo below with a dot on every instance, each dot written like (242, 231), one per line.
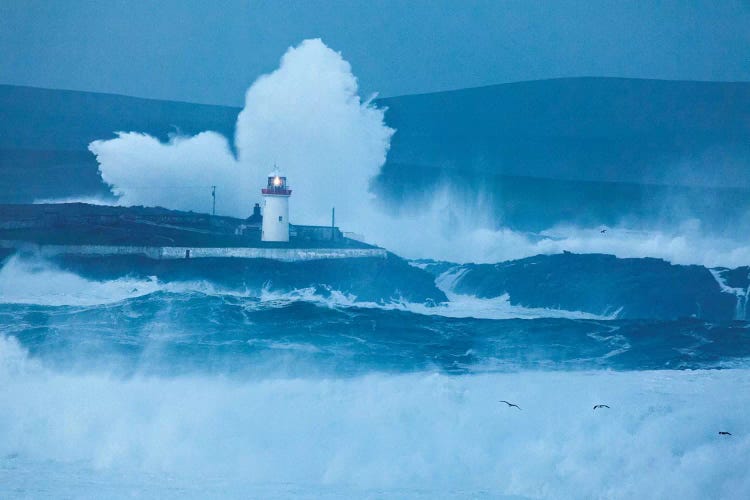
(384, 435)
(461, 228)
(742, 294)
(90, 200)
(464, 305)
(35, 281)
(458, 306)
(306, 116)
(484, 245)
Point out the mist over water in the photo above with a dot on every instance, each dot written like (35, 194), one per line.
(459, 227)
(307, 118)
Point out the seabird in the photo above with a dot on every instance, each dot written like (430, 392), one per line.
(725, 433)
(509, 404)
(603, 231)
(600, 406)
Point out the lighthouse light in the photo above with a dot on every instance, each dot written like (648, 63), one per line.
(277, 181)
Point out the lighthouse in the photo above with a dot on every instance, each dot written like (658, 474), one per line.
(276, 208)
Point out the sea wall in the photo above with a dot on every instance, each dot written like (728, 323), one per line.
(152, 252)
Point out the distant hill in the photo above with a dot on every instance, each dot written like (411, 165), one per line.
(599, 129)
(542, 149)
(577, 150)
(44, 135)
(42, 119)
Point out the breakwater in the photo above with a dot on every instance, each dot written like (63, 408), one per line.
(184, 252)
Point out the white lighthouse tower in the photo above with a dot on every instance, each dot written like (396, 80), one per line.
(276, 208)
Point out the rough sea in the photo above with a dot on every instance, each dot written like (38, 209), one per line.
(139, 388)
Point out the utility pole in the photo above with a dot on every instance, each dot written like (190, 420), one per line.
(333, 222)
(213, 195)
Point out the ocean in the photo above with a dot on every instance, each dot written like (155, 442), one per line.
(137, 386)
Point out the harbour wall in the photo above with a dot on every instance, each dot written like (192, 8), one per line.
(152, 252)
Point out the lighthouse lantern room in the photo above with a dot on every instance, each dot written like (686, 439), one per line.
(276, 208)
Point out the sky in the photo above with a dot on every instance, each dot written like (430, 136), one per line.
(209, 52)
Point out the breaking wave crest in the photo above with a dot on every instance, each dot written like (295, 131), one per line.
(37, 281)
(411, 435)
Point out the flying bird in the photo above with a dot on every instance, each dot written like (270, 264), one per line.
(600, 406)
(509, 404)
(603, 231)
(724, 433)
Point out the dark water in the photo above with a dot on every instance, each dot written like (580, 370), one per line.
(167, 333)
